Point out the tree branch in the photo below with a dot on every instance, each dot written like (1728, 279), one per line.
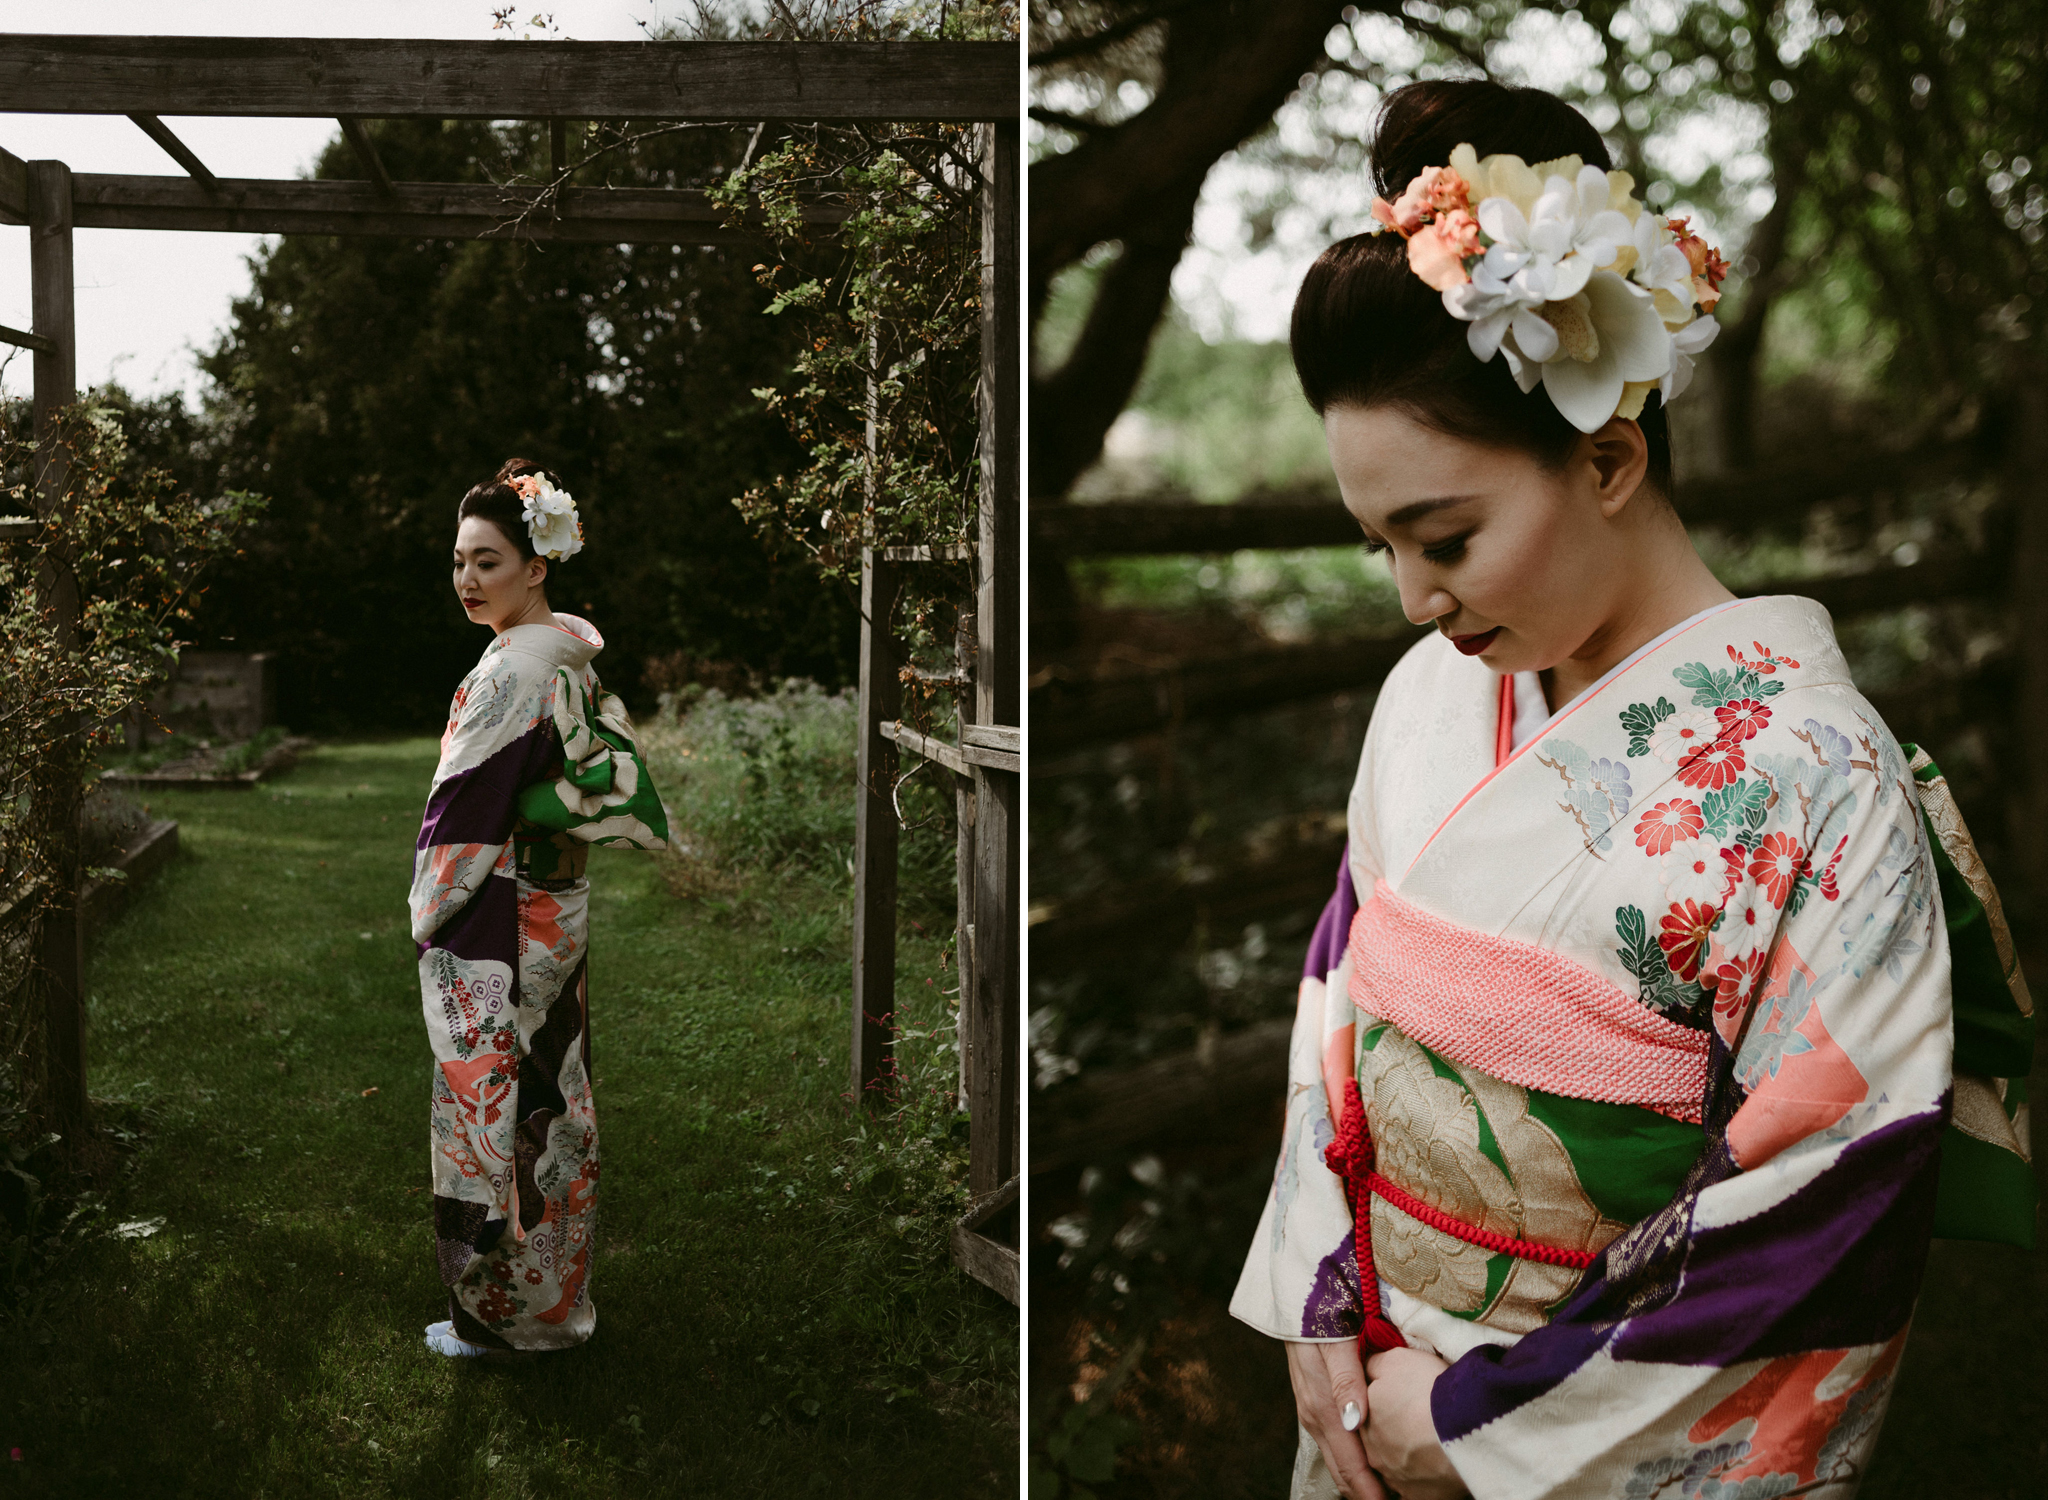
(1228, 67)
(1072, 408)
(1081, 46)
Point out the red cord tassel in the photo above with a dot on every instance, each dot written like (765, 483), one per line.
(1351, 1156)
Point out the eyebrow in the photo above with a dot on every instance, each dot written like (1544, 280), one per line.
(1415, 510)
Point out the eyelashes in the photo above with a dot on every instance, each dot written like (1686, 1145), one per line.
(1443, 552)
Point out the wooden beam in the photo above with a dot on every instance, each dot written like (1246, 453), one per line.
(13, 188)
(988, 1261)
(964, 638)
(62, 955)
(558, 146)
(423, 79)
(32, 341)
(944, 552)
(875, 839)
(994, 989)
(366, 152)
(422, 210)
(960, 759)
(176, 149)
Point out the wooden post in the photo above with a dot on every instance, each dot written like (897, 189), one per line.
(963, 855)
(993, 1061)
(56, 386)
(874, 832)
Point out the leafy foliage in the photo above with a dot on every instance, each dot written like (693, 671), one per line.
(1740, 802)
(882, 394)
(1640, 720)
(128, 549)
(1711, 688)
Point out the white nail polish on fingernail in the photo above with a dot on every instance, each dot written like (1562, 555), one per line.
(1352, 1416)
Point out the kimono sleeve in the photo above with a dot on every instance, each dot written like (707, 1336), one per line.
(1750, 1329)
(1300, 1279)
(499, 740)
(603, 794)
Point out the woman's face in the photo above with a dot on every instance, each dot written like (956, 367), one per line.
(492, 580)
(1517, 565)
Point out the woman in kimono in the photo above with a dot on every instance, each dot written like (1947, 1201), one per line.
(1646, 1008)
(537, 763)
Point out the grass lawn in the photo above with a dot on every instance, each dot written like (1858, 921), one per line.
(775, 1311)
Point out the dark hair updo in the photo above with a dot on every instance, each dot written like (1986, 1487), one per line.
(497, 502)
(1368, 331)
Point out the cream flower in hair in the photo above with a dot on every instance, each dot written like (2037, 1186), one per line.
(550, 514)
(1609, 335)
(1569, 233)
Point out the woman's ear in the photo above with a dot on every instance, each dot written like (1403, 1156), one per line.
(536, 571)
(1620, 458)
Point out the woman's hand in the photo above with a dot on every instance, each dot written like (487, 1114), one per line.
(1328, 1378)
(1400, 1441)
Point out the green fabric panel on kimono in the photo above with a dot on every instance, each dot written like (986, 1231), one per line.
(1630, 1160)
(542, 805)
(1992, 1037)
(1497, 1268)
(1986, 1193)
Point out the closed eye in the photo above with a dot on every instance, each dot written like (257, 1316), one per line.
(1445, 551)
(1374, 548)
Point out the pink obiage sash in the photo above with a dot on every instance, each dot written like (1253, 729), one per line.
(1513, 1010)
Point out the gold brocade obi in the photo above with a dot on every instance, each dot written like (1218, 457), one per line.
(1466, 1143)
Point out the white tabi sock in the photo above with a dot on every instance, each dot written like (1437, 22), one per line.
(442, 1340)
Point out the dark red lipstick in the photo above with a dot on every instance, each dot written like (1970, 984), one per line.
(1472, 645)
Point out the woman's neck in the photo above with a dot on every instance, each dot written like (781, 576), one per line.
(534, 612)
(1675, 584)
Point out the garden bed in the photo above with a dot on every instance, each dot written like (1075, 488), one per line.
(155, 846)
(186, 765)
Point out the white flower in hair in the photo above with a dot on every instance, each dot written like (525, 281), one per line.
(550, 514)
(1561, 271)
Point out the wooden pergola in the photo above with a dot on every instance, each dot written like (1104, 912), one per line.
(741, 83)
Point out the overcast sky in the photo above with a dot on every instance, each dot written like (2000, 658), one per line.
(148, 300)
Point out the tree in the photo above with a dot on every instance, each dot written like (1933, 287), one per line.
(1214, 71)
(367, 383)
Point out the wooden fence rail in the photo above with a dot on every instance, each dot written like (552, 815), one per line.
(1317, 518)
(1071, 712)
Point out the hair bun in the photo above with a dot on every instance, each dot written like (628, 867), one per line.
(1421, 124)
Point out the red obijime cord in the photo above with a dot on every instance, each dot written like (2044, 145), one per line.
(1351, 1156)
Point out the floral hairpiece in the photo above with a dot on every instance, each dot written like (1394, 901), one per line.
(551, 519)
(1560, 269)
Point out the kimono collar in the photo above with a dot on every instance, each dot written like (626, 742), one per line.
(570, 642)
